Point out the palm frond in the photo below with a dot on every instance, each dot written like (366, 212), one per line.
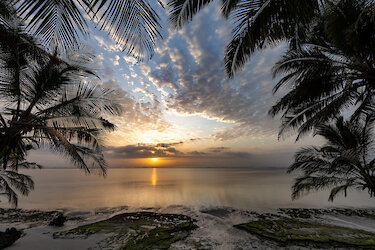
(81, 100)
(94, 157)
(5, 10)
(306, 184)
(228, 6)
(341, 189)
(11, 181)
(330, 72)
(62, 144)
(57, 23)
(182, 11)
(340, 164)
(264, 23)
(133, 24)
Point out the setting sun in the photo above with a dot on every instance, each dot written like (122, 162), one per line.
(154, 159)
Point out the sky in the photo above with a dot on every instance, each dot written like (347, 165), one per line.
(180, 107)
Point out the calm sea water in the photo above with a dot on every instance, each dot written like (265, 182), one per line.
(240, 188)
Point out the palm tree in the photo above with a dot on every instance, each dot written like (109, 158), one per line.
(47, 101)
(259, 24)
(333, 70)
(133, 24)
(12, 182)
(345, 162)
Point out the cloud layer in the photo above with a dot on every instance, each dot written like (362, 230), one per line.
(169, 150)
(186, 77)
(190, 71)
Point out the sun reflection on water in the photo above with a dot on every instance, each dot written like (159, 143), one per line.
(154, 177)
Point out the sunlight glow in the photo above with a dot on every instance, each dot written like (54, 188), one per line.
(154, 177)
(154, 159)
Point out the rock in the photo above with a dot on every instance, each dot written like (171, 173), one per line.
(302, 232)
(8, 237)
(58, 221)
(140, 230)
(32, 217)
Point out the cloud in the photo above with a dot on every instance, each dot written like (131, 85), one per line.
(191, 66)
(225, 153)
(115, 60)
(143, 151)
(163, 150)
(131, 60)
(186, 76)
(218, 149)
(139, 114)
(107, 44)
(166, 145)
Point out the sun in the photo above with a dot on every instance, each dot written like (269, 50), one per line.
(154, 159)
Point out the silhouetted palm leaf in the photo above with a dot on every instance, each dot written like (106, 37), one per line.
(133, 24)
(48, 101)
(5, 9)
(259, 24)
(57, 22)
(343, 163)
(265, 23)
(182, 11)
(12, 182)
(326, 75)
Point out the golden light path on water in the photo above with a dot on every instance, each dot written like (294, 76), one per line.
(154, 177)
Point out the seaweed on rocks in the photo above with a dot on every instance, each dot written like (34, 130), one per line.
(287, 231)
(140, 230)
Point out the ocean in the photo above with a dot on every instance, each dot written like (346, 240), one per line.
(240, 188)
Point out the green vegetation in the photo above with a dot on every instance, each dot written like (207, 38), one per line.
(93, 228)
(297, 232)
(161, 237)
(142, 230)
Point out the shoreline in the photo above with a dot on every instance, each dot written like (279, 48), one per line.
(211, 228)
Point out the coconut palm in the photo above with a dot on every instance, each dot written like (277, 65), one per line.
(332, 71)
(133, 24)
(345, 162)
(47, 101)
(11, 181)
(259, 24)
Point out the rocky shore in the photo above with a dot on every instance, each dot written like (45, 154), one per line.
(179, 227)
